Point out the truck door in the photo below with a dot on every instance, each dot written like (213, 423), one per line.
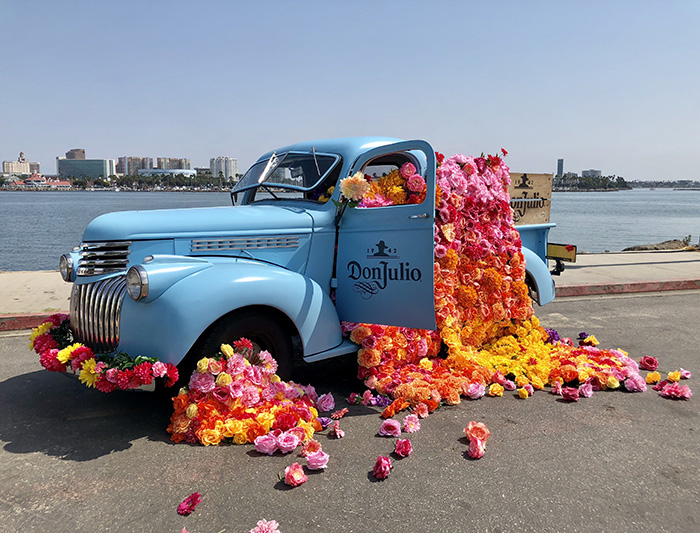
(385, 254)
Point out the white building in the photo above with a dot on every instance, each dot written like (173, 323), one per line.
(227, 166)
(592, 173)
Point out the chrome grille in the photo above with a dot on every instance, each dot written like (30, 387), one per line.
(94, 313)
(243, 243)
(103, 257)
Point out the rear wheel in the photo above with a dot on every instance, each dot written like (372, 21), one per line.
(261, 329)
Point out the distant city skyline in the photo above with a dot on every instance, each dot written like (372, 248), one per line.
(608, 85)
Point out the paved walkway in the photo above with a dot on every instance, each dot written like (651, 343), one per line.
(27, 298)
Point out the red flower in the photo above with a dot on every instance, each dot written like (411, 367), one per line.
(505, 153)
(189, 503)
(172, 375)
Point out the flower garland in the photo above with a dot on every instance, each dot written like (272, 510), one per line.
(487, 339)
(53, 341)
(237, 397)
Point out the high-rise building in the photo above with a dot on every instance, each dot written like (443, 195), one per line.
(172, 163)
(131, 165)
(76, 153)
(223, 166)
(560, 168)
(85, 168)
(21, 166)
(592, 173)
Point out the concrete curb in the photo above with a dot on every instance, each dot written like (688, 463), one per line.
(28, 321)
(627, 288)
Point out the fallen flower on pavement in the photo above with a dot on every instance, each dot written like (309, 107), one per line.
(403, 448)
(294, 475)
(382, 467)
(265, 526)
(189, 503)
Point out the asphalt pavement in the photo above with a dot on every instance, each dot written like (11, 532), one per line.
(73, 459)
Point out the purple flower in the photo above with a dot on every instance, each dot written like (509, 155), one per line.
(324, 421)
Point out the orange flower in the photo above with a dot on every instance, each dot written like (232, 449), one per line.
(477, 430)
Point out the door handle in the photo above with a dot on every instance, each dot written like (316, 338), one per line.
(424, 215)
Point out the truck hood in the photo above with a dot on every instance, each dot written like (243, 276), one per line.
(198, 223)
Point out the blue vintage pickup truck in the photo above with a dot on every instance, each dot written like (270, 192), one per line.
(280, 266)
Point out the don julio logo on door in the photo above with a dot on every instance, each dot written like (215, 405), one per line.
(381, 267)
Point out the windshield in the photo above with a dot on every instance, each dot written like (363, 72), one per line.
(289, 171)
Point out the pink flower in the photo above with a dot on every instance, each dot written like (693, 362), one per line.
(570, 394)
(477, 430)
(509, 385)
(310, 446)
(159, 369)
(382, 467)
(202, 382)
(266, 527)
(676, 391)
(250, 396)
(476, 390)
(556, 389)
(685, 374)
(530, 389)
(635, 383)
(415, 183)
(411, 424)
(336, 431)
(287, 442)
(390, 428)
(403, 448)
(325, 402)
(586, 390)
(648, 363)
(317, 460)
(266, 444)
(407, 170)
(294, 475)
(354, 398)
(189, 503)
(421, 410)
(477, 448)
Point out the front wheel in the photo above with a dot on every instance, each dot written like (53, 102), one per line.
(261, 329)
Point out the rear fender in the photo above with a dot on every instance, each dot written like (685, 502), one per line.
(540, 276)
(169, 325)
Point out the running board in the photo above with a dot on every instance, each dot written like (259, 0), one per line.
(346, 347)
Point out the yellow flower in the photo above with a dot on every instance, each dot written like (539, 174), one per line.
(231, 427)
(88, 376)
(308, 429)
(39, 330)
(653, 377)
(496, 390)
(210, 437)
(266, 419)
(227, 350)
(223, 379)
(66, 354)
(192, 410)
(240, 438)
(522, 393)
(612, 382)
(426, 364)
(592, 340)
(203, 365)
(274, 378)
(674, 376)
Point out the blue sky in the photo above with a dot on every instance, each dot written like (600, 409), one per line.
(610, 85)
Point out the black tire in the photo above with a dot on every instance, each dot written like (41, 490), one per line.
(261, 329)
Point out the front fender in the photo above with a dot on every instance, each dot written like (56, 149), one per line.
(539, 272)
(168, 325)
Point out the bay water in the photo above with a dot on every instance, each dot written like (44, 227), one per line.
(36, 227)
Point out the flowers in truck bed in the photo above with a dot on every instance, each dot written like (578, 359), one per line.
(487, 338)
(52, 340)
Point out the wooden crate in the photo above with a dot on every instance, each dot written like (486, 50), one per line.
(530, 197)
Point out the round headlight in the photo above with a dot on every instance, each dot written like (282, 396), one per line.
(65, 267)
(137, 283)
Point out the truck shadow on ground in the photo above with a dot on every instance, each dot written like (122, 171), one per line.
(55, 414)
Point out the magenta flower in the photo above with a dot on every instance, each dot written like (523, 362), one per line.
(189, 503)
(477, 448)
(649, 363)
(570, 394)
(403, 448)
(390, 428)
(676, 391)
(382, 467)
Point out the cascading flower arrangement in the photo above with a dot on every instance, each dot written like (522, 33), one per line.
(487, 339)
(53, 341)
(237, 397)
